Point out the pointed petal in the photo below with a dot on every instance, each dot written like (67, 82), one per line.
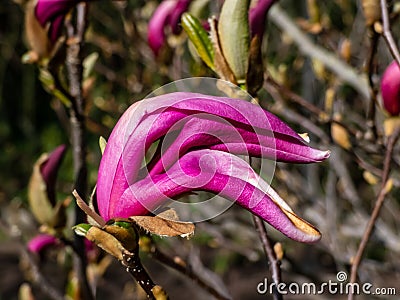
(259, 132)
(49, 169)
(221, 173)
(258, 15)
(155, 32)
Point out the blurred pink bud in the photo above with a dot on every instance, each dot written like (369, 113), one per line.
(169, 12)
(41, 242)
(52, 13)
(390, 89)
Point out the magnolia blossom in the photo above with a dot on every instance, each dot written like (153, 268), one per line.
(200, 136)
(390, 89)
(169, 12)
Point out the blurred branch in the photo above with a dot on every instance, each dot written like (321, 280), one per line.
(35, 275)
(180, 266)
(387, 33)
(338, 67)
(373, 90)
(77, 120)
(377, 208)
(319, 113)
(274, 262)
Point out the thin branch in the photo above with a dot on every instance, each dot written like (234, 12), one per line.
(343, 71)
(38, 279)
(77, 120)
(319, 113)
(135, 268)
(182, 268)
(387, 33)
(274, 262)
(35, 275)
(377, 208)
(373, 89)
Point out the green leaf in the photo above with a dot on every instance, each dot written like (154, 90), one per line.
(89, 63)
(82, 229)
(199, 37)
(102, 144)
(49, 85)
(234, 36)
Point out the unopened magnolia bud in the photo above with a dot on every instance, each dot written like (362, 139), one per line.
(234, 36)
(390, 89)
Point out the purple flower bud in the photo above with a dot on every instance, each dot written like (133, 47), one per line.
(49, 169)
(390, 89)
(51, 13)
(258, 15)
(169, 12)
(41, 242)
(202, 133)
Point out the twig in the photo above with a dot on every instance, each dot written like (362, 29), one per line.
(338, 67)
(36, 276)
(182, 268)
(38, 279)
(373, 90)
(135, 268)
(377, 208)
(77, 121)
(387, 33)
(319, 113)
(274, 262)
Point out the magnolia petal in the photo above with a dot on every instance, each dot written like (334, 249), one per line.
(221, 173)
(49, 169)
(41, 242)
(175, 16)
(161, 16)
(258, 15)
(53, 12)
(150, 119)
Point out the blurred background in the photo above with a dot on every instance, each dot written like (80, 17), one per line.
(336, 196)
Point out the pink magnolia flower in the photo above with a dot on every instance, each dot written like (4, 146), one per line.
(201, 134)
(390, 89)
(169, 12)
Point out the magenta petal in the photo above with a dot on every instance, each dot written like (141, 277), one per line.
(258, 15)
(53, 12)
(390, 89)
(257, 132)
(221, 173)
(41, 242)
(49, 170)
(175, 17)
(155, 32)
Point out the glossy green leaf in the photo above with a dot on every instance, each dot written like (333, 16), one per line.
(199, 37)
